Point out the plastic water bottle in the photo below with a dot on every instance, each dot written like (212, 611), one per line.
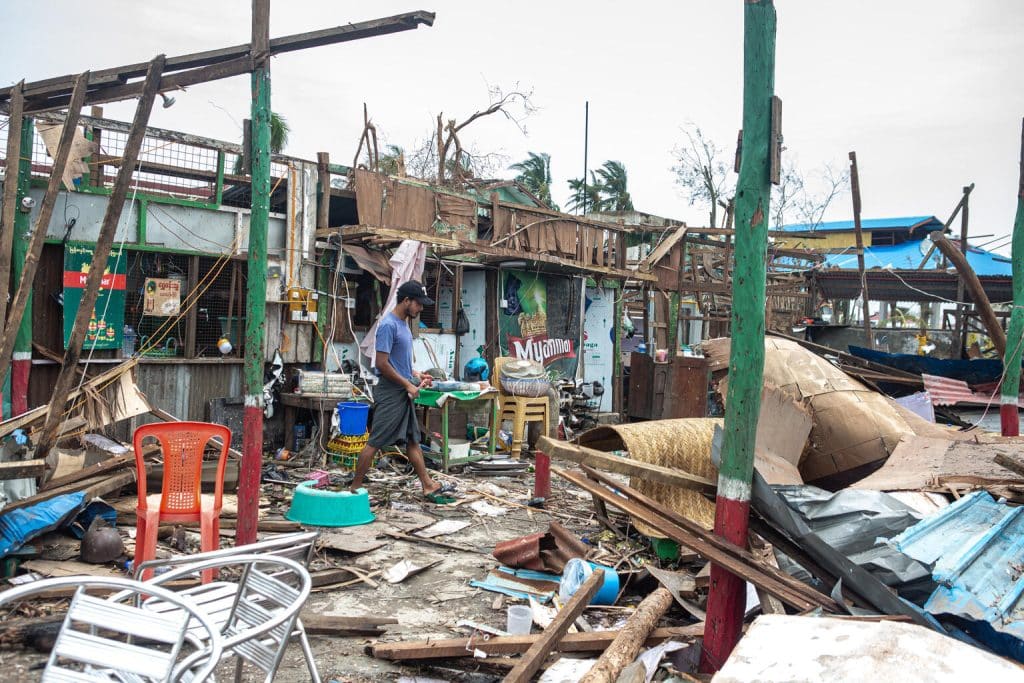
(128, 342)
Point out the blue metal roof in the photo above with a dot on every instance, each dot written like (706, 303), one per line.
(908, 256)
(976, 550)
(925, 223)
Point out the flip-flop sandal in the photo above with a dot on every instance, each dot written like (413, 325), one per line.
(439, 496)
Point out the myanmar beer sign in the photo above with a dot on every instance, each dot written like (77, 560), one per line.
(106, 323)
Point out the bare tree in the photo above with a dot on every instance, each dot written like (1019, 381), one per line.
(703, 170)
(810, 205)
(514, 105)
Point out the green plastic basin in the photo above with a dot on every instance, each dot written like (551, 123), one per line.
(320, 507)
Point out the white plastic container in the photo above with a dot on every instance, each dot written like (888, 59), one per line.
(519, 620)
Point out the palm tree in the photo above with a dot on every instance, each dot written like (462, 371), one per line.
(535, 175)
(613, 188)
(589, 200)
(279, 130)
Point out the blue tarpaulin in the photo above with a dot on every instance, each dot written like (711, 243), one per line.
(17, 527)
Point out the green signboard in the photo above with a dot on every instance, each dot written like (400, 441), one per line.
(106, 324)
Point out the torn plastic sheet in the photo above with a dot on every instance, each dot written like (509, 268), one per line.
(520, 583)
(856, 523)
(17, 527)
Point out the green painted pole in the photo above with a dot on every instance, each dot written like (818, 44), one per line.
(619, 305)
(1008, 414)
(727, 594)
(256, 291)
(21, 358)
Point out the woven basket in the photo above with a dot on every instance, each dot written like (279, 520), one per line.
(683, 444)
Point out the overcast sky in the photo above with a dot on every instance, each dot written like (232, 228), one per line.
(928, 93)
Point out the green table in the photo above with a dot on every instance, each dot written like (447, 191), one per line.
(442, 400)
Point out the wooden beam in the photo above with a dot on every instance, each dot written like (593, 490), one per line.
(354, 233)
(634, 468)
(20, 469)
(729, 556)
(869, 338)
(660, 251)
(35, 249)
(593, 641)
(13, 159)
(535, 656)
(106, 79)
(97, 486)
(970, 280)
(108, 465)
(104, 242)
(330, 625)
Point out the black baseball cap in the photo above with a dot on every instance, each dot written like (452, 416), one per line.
(414, 290)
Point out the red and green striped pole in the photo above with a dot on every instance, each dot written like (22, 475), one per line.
(21, 359)
(256, 289)
(1009, 418)
(727, 596)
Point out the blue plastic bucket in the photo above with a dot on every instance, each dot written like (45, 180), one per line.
(352, 418)
(576, 573)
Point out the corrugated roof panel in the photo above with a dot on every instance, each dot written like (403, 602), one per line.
(976, 549)
(925, 223)
(908, 256)
(944, 391)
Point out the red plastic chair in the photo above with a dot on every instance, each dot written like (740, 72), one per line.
(180, 499)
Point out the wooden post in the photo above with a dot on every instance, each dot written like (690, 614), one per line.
(96, 175)
(323, 280)
(630, 639)
(727, 595)
(1008, 414)
(28, 272)
(618, 309)
(14, 123)
(104, 242)
(256, 293)
(855, 190)
(970, 279)
(961, 309)
(534, 657)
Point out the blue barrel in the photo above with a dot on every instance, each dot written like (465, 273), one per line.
(352, 418)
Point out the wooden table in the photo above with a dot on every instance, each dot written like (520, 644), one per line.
(319, 403)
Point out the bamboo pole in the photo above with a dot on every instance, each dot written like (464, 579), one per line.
(727, 597)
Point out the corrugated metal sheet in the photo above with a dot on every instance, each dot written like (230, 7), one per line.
(908, 256)
(947, 392)
(925, 223)
(976, 550)
(544, 550)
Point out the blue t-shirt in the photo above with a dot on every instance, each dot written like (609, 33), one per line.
(395, 339)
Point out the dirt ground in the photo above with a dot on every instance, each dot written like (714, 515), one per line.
(427, 605)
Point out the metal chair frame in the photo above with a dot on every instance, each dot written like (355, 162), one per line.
(259, 617)
(97, 653)
(217, 596)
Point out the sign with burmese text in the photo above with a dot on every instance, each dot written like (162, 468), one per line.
(106, 324)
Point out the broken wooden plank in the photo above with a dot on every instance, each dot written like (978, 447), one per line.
(431, 541)
(593, 641)
(11, 171)
(97, 486)
(330, 625)
(20, 469)
(634, 468)
(35, 246)
(108, 465)
(730, 556)
(104, 243)
(534, 657)
(1010, 463)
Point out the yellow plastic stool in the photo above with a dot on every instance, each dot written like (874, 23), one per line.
(521, 410)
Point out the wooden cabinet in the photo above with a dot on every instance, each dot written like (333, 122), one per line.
(658, 391)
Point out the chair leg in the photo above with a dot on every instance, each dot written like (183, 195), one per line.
(307, 651)
(209, 538)
(147, 523)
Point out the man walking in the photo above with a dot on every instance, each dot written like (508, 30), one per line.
(394, 416)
